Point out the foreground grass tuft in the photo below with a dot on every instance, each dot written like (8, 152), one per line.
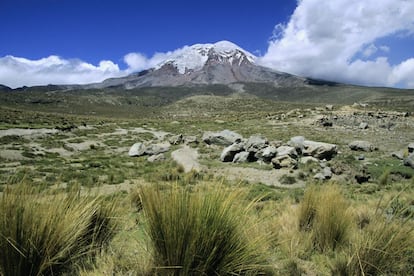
(51, 234)
(200, 233)
(325, 213)
(384, 247)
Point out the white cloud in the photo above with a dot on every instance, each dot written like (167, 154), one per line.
(385, 48)
(370, 50)
(136, 61)
(17, 71)
(322, 40)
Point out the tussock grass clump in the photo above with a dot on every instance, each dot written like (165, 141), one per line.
(385, 246)
(201, 233)
(51, 234)
(324, 212)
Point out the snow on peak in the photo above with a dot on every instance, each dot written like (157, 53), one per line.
(194, 57)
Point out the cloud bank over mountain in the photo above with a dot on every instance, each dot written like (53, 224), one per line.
(17, 71)
(337, 40)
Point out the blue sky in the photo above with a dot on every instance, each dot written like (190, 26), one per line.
(368, 42)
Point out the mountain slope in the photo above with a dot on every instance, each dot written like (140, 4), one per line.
(219, 63)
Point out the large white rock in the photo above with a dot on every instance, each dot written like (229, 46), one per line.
(137, 149)
(319, 150)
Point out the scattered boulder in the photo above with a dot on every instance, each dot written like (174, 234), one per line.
(176, 139)
(284, 161)
(137, 149)
(360, 145)
(327, 173)
(242, 157)
(224, 138)
(308, 159)
(297, 143)
(155, 149)
(363, 125)
(268, 153)
(325, 122)
(398, 154)
(411, 147)
(319, 150)
(329, 107)
(362, 177)
(287, 150)
(256, 143)
(319, 176)
(156, 158)
(229, 152)
(409, 161)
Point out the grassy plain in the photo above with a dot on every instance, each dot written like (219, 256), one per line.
(301, 226)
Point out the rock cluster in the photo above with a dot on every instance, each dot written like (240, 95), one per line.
(258, 148)
(406, 155)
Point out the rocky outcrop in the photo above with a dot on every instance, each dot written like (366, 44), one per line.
(287, 150)
(297, 143)
(268, 153)
(319, 150)
(223, 138)
(256, 143)
(257, 148)
(284, 161)
(229, 152)
(242, 157)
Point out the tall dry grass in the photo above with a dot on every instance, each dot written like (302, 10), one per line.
(385, 246)
(325, 213)
(203, 232)
(51, 234)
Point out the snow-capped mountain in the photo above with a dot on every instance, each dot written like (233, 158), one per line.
(220, 63)
(192, 58)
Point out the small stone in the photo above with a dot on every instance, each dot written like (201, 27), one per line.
(411, 147)
(360, 145)
(398, 154)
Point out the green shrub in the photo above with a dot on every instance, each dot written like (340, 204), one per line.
(50, 234)
(200, 233)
